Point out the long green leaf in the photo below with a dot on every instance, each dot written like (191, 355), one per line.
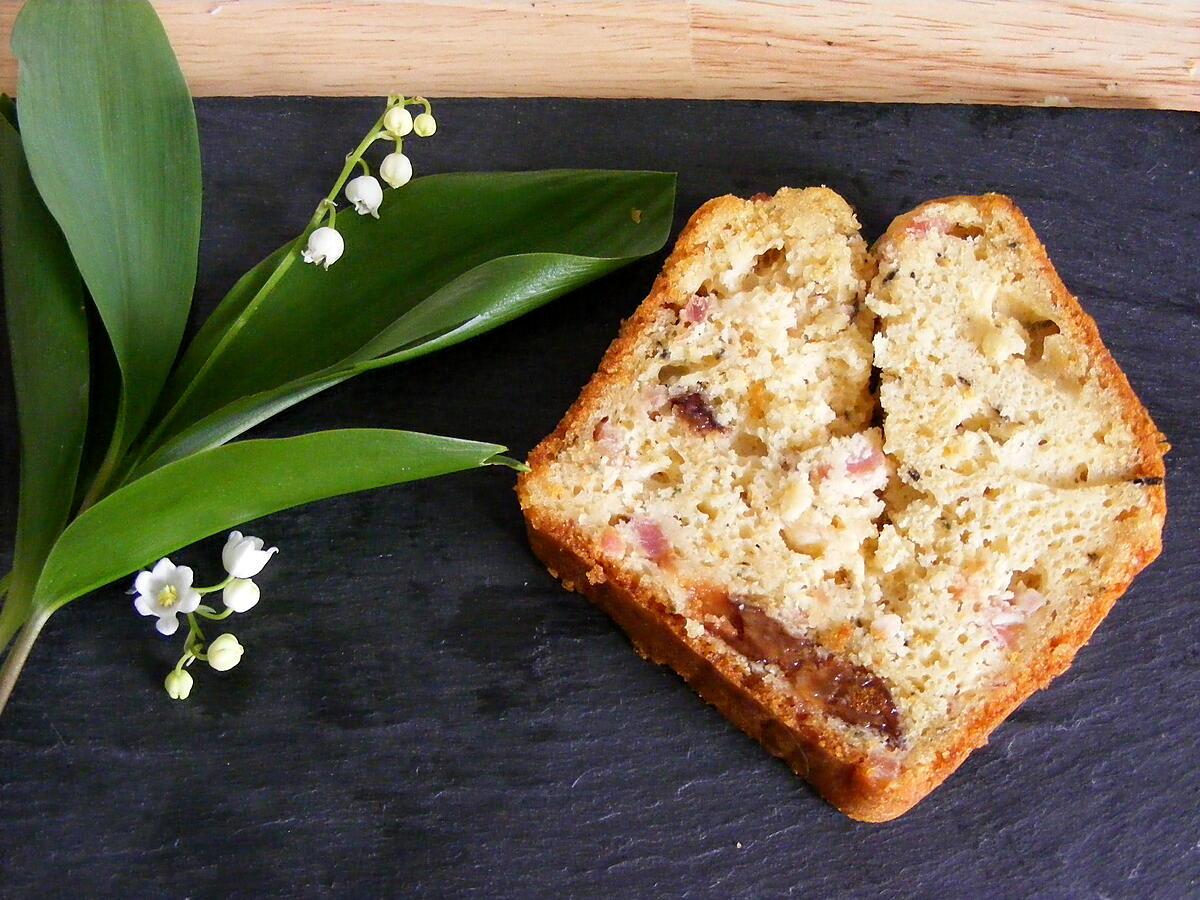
(219, 321)
(487, 296)
(222, 487)
(110, 134)
(47, 331)
(571, 225)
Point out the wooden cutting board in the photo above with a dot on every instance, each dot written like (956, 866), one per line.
(1134, 53)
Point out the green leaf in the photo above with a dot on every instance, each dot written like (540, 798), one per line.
(450, 257)
(487, 296)
(219, 488)
(110, 134)
(47, 331)
(222, 318)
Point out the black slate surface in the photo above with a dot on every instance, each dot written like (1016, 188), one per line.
(422, 711)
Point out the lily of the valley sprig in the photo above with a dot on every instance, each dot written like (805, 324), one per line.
(364, 193)
(107, 133)
(166, 592)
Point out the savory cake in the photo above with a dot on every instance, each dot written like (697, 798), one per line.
(866, 578)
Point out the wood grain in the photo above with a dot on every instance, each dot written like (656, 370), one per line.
(1135, 53)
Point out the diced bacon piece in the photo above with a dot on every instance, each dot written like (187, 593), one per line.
(650, 539)
(923, 226)
(607, 437)
(865, 464)
(696, 310)
(1011, 610)
(612, 543)
(878, 769)
(1028, 600)
(851, 467)
(656, 398)
(1007, 635)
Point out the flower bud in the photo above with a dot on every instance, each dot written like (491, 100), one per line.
(424, 125)
(398, 121)
(178, 684)
(365, 194)
(225, 652)
(240, 595)
(243, 555)
(395, 169)
(325, 247)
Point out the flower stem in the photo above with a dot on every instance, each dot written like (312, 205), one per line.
(11, 670)
(207, 612)
(286, 263)
(216, 587)
(326, 206)
(194, 631)
(148, 446)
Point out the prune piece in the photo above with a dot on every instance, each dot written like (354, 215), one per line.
(847, 691)
(694, 408)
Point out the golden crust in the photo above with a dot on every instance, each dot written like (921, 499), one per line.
(843, 775)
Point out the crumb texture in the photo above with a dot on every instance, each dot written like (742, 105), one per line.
(885, 556)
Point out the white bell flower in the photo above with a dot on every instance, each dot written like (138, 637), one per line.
(398, 122)
(396, 169)
(178, 684)
(325, 247)
(225, 652)
(244, 557)
(365, 193)
(240, 595)
(165, 591)
(424, 125)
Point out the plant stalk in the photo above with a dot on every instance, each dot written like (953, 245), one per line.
(148, 445)
(15, 661)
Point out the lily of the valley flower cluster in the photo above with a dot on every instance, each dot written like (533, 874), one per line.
(167, 592)
(364, 193)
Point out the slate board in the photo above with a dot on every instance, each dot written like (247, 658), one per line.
(423, 711)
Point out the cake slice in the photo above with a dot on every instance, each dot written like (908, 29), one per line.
(1029, 479)
(865, 585)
